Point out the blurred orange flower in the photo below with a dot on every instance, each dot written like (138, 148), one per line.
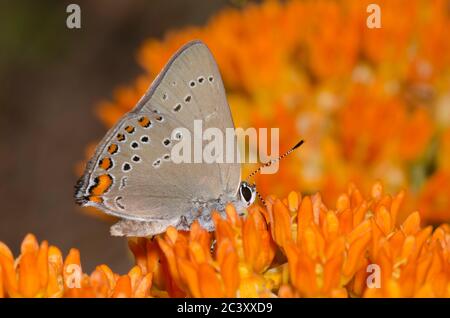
(40, 271)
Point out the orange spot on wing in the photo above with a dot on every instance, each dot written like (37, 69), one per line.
(105, 163)
(102, 184)
(112, 149)
(96, 199)
(120, 137)
(144, 121)
(129, 129)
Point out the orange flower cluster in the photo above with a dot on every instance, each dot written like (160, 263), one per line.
(40, 271)
(331, 252)
(371, 103)
(296, 247)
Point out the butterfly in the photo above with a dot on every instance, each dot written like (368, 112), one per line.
(131, 174)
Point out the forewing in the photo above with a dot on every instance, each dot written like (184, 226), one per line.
(189, 88)
(132, 174)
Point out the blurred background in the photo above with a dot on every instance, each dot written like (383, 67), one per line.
(372, 104)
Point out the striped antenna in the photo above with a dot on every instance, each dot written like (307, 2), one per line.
(260, 196)
(275, 160)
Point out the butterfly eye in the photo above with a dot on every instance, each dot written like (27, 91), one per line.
(247, 193)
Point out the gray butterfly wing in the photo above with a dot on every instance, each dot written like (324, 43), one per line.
(132, 175)
(127, 176)
(190, 87)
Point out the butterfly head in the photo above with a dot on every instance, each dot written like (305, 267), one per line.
(247, 193)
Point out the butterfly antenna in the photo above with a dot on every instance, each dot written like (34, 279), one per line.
(277, 159)
(260, 196)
